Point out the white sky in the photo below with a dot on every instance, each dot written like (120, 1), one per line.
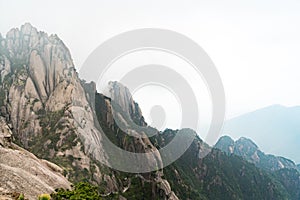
(255, 44)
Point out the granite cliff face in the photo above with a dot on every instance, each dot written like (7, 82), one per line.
(43, 99)
(127, 129)
(54, 117)
(22, 172)
(52, 112)
(121, 96)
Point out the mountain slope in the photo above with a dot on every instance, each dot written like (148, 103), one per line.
(218, 175)
(290, 179)
(56, 116)
(272, 128)
(52, 114)
(38, 87)
(281, 169)
(249, 151)
(22, 172)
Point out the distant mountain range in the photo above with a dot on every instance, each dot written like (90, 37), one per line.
(248, 150)
(276, 130)
(281, 169)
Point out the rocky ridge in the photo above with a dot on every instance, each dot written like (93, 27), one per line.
(248, 150)
(52, 112)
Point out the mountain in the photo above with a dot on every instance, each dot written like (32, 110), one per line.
(283, 170)
(38, 85)
(272, 128)
(218, 175)
(290, 179)
(248, 150)
(55, 117)
(225, 144)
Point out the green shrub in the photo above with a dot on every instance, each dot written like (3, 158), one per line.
(82, 190)
(44, 197)
(21, 197)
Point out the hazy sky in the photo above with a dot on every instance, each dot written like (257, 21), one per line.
(254, 44)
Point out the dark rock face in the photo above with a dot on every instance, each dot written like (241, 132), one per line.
(160, 188)
(226, 144)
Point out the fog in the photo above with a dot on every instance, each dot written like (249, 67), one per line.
(254, 44)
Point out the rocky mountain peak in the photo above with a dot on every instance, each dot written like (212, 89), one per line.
(225, 140)
(246, 143)
(28, 29)
(226, 144)
(121, 96)
(44, 100)
(248, 150)
(53, 113)
(50, 112)
(22, 42)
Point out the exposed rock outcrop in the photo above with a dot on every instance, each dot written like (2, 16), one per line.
(44, 101)
(23, 172)
(121, 95)
(128, 136)
(46, 109)
(52, 112)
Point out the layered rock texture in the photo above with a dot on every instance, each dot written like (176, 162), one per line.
(52, 112)
(22, 172)
(44, 101)
(55, 117)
